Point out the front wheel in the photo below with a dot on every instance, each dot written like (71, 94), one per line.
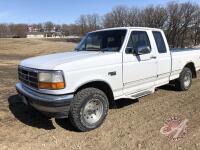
(88, 109)
(185, 80)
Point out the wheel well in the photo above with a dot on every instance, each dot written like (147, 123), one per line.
(101, 86)
(192, 68)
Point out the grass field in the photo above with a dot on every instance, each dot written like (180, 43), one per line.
(135, 124)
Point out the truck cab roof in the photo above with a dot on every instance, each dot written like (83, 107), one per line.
(128, 28)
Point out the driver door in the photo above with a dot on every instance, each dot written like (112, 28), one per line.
(139, 70)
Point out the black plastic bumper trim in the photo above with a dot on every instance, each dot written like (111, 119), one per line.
(44, 99)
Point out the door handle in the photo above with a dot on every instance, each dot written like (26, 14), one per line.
(153, 57)
(112, 73)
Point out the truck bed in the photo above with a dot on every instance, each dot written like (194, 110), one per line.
(180, 57)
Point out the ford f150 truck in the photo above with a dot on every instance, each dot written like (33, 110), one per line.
(107, 65)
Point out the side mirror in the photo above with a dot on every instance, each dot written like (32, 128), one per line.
(130, 50)
(141, 50)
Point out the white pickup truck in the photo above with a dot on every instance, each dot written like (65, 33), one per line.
(107, 65)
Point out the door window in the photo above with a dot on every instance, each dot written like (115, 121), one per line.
(136, 40)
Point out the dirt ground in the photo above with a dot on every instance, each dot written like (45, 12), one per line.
(134, 124)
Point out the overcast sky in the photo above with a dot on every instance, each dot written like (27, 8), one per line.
(63, 11)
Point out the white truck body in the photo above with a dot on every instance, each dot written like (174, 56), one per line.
(133, 76)
(126, 73)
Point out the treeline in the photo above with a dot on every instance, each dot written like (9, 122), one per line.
(13, 30)
(180, 21)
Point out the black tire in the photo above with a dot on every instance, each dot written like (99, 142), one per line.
(80, 102)
(180, 83)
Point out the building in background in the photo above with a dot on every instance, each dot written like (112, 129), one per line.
(35, 35)
(36, 32)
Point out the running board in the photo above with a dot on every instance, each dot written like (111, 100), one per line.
(138, 94)
(141, 94)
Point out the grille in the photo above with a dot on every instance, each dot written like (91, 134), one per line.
(28, 76)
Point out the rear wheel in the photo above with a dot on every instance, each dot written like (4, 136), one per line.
(89, 109)
(185, 80)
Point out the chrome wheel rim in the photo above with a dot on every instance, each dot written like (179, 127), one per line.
(187, 79)
(93, 111)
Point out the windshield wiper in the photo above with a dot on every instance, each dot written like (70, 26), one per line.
(107, 50)
(76, 49)
(93, 49)
(89, 50)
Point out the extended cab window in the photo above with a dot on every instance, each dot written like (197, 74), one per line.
(159, 42)
(136, 40)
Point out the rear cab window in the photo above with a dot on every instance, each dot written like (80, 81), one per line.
(160, 43)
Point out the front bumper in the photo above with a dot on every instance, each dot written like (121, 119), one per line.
(56, 106)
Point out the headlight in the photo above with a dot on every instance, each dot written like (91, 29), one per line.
(52, 80)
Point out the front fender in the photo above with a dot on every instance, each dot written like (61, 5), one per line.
(77, 79)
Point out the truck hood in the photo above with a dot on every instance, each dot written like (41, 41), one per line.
(50, 62)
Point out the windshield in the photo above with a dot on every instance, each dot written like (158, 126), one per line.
(110, 41)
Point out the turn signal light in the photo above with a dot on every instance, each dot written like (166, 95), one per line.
(51, 86)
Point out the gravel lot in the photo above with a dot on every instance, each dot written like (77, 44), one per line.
(134, 124)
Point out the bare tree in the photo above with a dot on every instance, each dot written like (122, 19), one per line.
(180, 19)
(82, 22)
(71, 29)
(48, 26)
(188, 14)
(88, 23)
(65, 30)
(132, 17)
(18, 30)
(117, 18)
(4, 31)
(108, 21)
(196, 27)
(174, 21)
(154, 17)
(40, 27)
(93, 22)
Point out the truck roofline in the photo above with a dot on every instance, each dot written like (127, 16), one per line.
(128, 28)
